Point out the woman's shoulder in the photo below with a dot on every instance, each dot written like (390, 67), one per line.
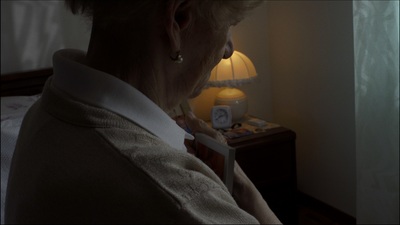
(195, 189)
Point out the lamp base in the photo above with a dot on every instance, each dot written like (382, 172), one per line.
(234, 98)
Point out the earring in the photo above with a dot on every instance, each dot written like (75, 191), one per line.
(178, 58)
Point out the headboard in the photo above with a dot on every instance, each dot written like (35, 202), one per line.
(24, 83)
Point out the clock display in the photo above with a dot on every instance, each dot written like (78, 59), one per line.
(221, 116)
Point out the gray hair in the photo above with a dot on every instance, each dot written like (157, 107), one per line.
(108, 11)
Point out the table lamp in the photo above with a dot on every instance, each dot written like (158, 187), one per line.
(231, 73)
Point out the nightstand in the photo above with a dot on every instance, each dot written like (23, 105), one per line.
(268, 157)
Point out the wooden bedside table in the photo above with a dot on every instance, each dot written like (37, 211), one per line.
(269, 160)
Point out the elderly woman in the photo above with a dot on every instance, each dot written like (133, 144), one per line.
(98, 147)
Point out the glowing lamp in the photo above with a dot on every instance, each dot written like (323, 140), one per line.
(231, 73)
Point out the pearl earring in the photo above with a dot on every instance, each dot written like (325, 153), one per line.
(178, 58)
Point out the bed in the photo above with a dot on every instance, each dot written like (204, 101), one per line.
(18, 92)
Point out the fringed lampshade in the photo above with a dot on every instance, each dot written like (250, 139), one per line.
(232, 72)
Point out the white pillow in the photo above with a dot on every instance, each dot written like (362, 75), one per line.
(13, 110)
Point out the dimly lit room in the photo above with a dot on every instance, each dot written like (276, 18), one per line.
(303, 96)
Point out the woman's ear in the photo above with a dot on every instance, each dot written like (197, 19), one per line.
(179, 15)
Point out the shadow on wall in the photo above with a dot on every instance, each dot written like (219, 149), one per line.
(32, 30)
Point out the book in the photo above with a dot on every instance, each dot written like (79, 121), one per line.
(218, 156)
(237, 133)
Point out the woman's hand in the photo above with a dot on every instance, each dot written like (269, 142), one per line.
(199, 126)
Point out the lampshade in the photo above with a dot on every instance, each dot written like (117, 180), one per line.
(232, 72)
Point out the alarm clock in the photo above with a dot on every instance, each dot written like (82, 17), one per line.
(221, 116)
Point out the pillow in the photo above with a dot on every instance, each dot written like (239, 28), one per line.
(13, 110)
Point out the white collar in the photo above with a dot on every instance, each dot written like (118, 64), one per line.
(104, 90)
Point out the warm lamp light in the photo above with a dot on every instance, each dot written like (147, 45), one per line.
(231, 73)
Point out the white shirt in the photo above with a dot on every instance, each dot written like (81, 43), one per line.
(106, 91)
